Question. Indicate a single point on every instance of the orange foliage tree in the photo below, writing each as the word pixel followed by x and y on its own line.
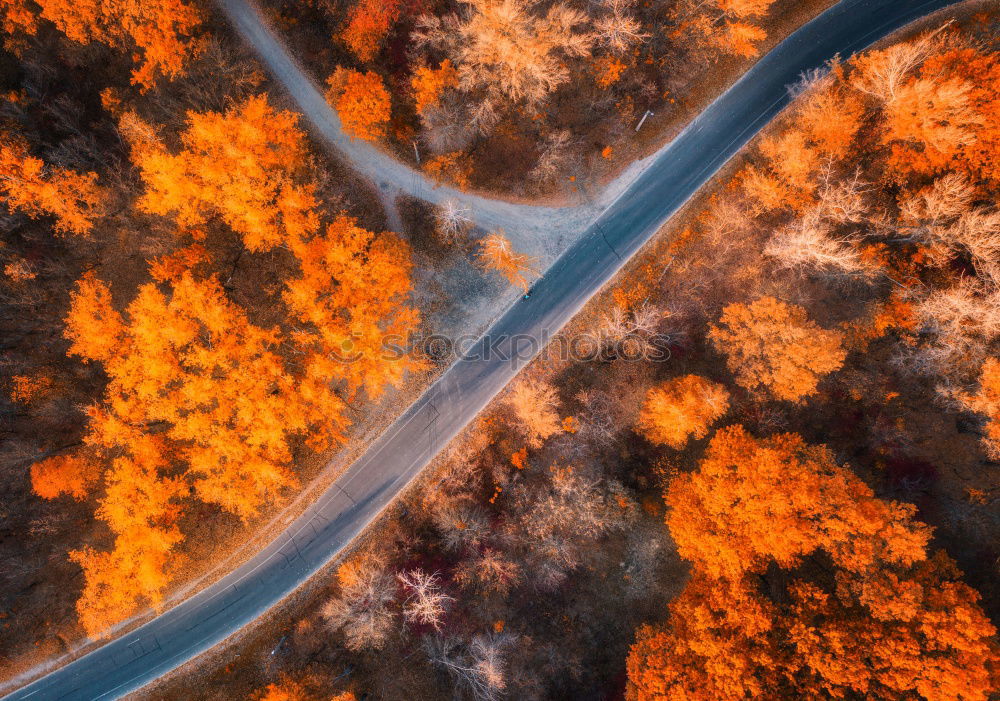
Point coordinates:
pixel 75 200
pixel 727 641
pixel 762 511
pixel 986 401
pixel 825 125
pixel 932 117
pixel 17 16
pixel 361 101
pixel 830 118
pixel 73 475
pixel 717 646
pixel 140 506
pixel 191 365
pixel 774 345
pixel 753 501
pixel 682 408
pixel 171 267
pixel 197 403
pixel 981 70
pixel 726 25
pixel 536 407
pixel 287 690
pixel 249 167
pixel 939 102
pixel 455 167
pixel 430 83
pixel 93 326
pixel 246 166
pixel 497 253
pixel 350 294
pixel 160 34
pixel 201 403
pixel 26 389
pixel 367 24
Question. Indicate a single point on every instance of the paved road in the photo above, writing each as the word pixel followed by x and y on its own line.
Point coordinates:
pixel 206 619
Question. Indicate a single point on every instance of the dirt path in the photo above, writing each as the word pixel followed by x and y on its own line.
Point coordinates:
pixel 541 231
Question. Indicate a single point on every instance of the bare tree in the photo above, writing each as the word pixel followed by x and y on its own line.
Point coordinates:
pixel 485 115
pixel 451 220
pixel 506 50
pixel 617 29
pixel 478 667
pixel 536 407
pixel 489 572
pixel 814 81
pixel 462 524
pixel 600 423
pixel 620 324
pixel 978 231
pixel 842 200
pixel 965 320
pixel 554 159
pixel 944 217
pixel 808 244
pixel 725 220
pixel 361 610
pixel 628 334
pixel 945 200
pixel 558 522
pixel 881 73
pixel 644 555
pixel 425 602
pixel 446 126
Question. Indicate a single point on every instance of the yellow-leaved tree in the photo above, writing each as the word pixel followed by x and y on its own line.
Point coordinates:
pixel 361 101
pixel 197 398
pixel 351 294
pixel 28 185
pixel 805 585
pixel 774 346
pixel 682 408
pixel 246 166
pixel 160 35
pixel 497 253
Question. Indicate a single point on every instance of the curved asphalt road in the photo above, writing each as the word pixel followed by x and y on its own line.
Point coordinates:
pixel 393 460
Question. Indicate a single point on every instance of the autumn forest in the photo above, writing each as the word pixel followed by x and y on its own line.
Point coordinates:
pixel 774 474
